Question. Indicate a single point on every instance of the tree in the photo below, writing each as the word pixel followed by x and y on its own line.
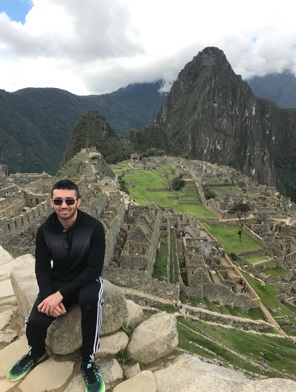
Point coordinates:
pixel 177 183
pixel 209 194
pixel 240 209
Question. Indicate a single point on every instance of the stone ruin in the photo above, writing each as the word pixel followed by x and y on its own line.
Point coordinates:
pixel 3 170
pixel 134 233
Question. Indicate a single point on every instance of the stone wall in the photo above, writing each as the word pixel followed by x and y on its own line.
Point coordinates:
pixel 235 322
pixel 114 226
pixel 10 227
pixel 139 252
pixel 251 233
pixel 4 192
pixel 290 260
pixel 140 280
pixel 222 294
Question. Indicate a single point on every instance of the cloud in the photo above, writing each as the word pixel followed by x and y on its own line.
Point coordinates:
pixel 98 46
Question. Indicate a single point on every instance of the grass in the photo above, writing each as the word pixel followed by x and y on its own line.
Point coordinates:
pixel 160 265
pixel 239 348
pixel 174 267
pixel 252 260
pixel 268 296
pixel 192 339
pixel 253 353
pixel 228 237
pixel 274 272
pixel 144 180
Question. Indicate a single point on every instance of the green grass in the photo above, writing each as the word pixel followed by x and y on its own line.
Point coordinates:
pixel 274 272
pixel 174 267
pixel 228 237
pixel 191 340
pixel 268 296
pixel 145 180
pixel 166 171
pixel 276 353
pixel 252 260
pixel 254 353
pixel 160 265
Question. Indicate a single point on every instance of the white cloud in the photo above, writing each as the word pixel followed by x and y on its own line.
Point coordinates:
pixel 97 46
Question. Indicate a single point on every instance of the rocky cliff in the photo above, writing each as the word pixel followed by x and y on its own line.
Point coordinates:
pixel 212 115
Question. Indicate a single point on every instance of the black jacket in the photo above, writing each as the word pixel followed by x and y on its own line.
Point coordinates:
pixel 74 257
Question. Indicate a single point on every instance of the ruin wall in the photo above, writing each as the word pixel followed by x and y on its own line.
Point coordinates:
pixel 10 227
pixel 113 230
pixel 140 280
pixel 221 294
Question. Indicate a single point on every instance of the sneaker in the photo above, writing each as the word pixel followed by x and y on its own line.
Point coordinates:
pixel 24 365
pixel 92 378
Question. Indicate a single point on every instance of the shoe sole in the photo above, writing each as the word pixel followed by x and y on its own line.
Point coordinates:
pixel 42 359
pixel 103 388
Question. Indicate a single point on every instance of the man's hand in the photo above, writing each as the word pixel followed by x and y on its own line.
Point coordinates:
pixel 52 305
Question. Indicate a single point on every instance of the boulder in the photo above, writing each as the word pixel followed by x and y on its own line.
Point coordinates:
pixel 112 344
pixel 64 335
pixel 24 286
pixel 188 373
pixel 5 257
pixel 144 382
pixel 11 264
pixel 135 314
pixel 154 338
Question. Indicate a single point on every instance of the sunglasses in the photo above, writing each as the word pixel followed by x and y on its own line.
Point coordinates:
pixel 69 202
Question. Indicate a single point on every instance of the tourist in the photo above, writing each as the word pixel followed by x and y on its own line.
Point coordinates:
pixel 74 242
pixel 176 307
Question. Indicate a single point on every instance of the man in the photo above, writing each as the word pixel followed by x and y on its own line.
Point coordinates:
pixel 70 250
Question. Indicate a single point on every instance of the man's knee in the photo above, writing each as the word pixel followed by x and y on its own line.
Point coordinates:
pixel 38 320
pixel 88 301
pixel 89 296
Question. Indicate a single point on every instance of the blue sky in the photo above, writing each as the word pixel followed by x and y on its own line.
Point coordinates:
pixel 97 46
pixel 16 9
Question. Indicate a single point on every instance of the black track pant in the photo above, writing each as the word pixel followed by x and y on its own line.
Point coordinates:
pixel 90 300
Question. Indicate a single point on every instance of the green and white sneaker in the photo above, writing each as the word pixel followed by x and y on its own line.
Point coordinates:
pixel 24 365
pixel 92 378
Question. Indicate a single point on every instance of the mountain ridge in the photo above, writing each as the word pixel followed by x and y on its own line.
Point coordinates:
pixel 36 122
pixel 235 127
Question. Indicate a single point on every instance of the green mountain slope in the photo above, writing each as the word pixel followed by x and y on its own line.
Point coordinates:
pixel 35 123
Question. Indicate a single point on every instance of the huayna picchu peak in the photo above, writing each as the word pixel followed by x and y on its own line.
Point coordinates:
pixel 211 114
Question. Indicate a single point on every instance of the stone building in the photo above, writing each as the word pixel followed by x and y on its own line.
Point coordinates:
pixel 3 170
pixel 140 248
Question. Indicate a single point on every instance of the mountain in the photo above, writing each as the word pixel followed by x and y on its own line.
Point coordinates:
pixel 211 114
pixel 279 87
pixel 94 131
pixel 35 123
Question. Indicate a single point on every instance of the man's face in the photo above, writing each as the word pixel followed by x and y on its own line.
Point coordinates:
pixel 66 213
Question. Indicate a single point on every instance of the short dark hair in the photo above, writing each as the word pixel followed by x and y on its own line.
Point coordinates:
pixel 66 184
